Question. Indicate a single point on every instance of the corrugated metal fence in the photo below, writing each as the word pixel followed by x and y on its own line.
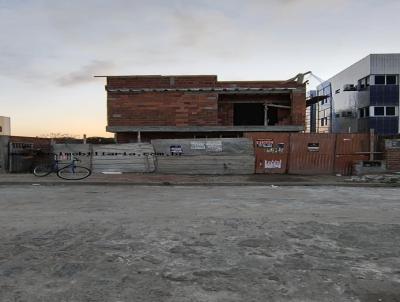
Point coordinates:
pixel 308 153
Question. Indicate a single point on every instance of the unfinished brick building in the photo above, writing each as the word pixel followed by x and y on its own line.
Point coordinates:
pixel 141 108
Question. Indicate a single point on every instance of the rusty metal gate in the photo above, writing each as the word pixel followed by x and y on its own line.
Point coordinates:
pixel 349 149
pixel 312 153
pixel 308 153
pixel 271 150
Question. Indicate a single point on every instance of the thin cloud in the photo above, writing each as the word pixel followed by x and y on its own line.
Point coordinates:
pixel 85 73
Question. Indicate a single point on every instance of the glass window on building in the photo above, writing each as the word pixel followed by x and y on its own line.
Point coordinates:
pixel 379 111
pixel 366 111
pixel 391 80
pixel 367 81
pixel 379 80
pixel 390 111
pixel 361 112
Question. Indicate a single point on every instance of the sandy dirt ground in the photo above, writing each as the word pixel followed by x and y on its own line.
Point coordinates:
pixel 180 244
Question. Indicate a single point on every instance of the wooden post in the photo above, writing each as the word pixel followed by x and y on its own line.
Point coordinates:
pixel 371 144
pixel 139 138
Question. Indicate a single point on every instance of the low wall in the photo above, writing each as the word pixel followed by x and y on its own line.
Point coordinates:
pixel 392 154
pixel 204 156
pixel 109 158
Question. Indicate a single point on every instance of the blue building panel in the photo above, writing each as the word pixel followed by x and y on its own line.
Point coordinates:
pixel 384 125
pixel 384 95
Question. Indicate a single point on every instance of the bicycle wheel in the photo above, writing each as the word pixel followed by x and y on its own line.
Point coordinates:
pixel 74 173
pixel 43 170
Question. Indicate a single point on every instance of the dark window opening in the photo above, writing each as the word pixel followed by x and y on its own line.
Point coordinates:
pixel 248 114
pixel 390 111
pixel 379 111
pixel 379 80
pixel 361 112
pixel 272 116
pixel 391 80
pixel 366 111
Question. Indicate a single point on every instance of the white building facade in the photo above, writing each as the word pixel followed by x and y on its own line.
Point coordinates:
pixel 364 96
pixel 5 126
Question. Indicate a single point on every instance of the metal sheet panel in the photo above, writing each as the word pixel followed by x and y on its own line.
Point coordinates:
pixel 311 153
pixel 271 150
pixel 349 149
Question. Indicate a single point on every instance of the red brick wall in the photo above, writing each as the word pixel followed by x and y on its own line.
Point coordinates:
pixel 225 114
pixel 298 112
pixel 161 81
pixel 162 109
pixel 188 109
pixel 38 142
pixel 392 159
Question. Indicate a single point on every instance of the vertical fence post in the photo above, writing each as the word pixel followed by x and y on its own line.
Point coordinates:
pixel 288 154
pixel 371 144
pixel 335 153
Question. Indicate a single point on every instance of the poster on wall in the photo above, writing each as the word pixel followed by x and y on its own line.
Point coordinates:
pixel 268 145
pixel 273 164
pixel 265 143
pixel 197 145
pixel 313 147
pixel 280 147
pixel 214 146
pixel 176 150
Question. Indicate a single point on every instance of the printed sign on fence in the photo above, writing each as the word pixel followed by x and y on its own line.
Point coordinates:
pixel 273 164
pixel 197 145
pixel 176 150
pixel 265 143
pixel 313 147
pixel 214 146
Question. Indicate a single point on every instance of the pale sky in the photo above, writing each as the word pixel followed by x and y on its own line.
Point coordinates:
pixel 51 49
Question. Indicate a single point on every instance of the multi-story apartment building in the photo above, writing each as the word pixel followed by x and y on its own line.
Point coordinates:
pixel 364 96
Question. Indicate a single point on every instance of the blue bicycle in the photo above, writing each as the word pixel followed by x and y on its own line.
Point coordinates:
pixel 68 172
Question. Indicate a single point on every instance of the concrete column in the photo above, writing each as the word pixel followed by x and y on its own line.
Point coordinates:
pixel 139 138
